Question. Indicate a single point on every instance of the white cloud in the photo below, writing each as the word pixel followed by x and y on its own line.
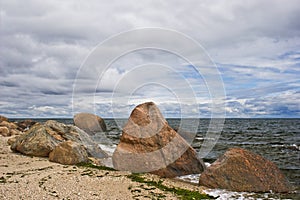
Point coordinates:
pixel 255 43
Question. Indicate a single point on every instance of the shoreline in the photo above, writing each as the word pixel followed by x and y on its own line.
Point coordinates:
pixel 25 177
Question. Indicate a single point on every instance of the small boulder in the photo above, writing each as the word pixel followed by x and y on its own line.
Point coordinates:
pixel 12 140
pixel 37 141
pixel 41 139
pixel 8 129
pixel 90 123
pixel 243 171
pixel 15 132
pixel 62 131
pixel 4 131
pixel 69 153
pixel 149 144
pixel 75 134
pixel 9 125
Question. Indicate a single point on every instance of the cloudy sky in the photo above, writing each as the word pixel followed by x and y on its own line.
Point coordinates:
pixel 45 46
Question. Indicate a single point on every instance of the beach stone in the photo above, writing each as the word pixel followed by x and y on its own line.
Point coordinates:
pixel 25 124
pixel 2 118
pixel 4 131
pixel 9 125
pixel 15 132
pixel 90 123
pixel 243 171
pixel 62 131
pixel 69 153
pixel 41 139
pixel 73 133
pixel 149 144
pixel 11 140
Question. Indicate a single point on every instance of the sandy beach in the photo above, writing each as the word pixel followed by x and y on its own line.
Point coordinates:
pixel 24 177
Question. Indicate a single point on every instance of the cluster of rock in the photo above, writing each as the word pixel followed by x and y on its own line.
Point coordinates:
pixel 65 144
pixel 147 144
pixel 13 128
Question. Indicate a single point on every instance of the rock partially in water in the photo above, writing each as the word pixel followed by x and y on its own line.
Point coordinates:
pixel 243 171
pixel 149 144
pixel 69 153
pixel 90 123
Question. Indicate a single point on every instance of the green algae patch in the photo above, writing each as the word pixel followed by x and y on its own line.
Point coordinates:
pixel 181 193
pixel 90 165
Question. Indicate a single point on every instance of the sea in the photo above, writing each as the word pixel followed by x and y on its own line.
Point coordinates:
pixel 275 139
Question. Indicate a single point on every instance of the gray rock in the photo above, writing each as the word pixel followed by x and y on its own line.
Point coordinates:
pixel 41 139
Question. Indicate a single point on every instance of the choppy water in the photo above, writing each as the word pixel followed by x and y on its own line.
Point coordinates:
pixel 276 139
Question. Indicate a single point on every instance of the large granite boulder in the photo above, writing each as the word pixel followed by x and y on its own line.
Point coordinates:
pixel 241 170
pixel 149 144
pixel 90 123
pixel 41 139
pixel 69 153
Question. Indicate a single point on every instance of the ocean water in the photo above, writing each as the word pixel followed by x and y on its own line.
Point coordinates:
pixel 276 139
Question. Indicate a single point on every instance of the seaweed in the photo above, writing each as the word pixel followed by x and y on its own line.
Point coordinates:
pixel 181 193
pixel 90 165
pixel 2 180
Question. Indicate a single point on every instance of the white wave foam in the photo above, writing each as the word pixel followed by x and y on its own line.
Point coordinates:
pixel 207 164
pixel 291 146
pixel 221 194
pixel 193 178
pixel 109 149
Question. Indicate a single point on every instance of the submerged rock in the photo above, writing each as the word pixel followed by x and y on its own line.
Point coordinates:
pixel 90 123
pixel 69 153
pixel 149 144
pixel 243 171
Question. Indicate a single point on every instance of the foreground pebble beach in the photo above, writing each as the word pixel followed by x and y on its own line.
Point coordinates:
pixel 24 177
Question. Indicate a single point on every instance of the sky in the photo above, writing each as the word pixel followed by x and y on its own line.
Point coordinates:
pixel 252 47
